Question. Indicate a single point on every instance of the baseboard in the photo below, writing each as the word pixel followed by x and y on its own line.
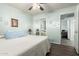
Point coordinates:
pixel 55 43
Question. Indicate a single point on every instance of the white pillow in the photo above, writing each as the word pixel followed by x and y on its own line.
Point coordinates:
pixel 1 36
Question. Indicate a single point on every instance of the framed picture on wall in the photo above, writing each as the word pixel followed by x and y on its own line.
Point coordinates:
pixel 14 22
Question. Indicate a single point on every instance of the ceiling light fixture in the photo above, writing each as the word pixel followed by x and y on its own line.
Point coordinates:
pixel 36 6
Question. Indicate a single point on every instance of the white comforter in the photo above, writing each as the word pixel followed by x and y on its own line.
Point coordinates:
pixel 25 46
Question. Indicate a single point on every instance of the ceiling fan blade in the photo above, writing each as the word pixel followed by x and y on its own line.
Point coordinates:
pixel 42 3
pixel 30 7
pixel 41 8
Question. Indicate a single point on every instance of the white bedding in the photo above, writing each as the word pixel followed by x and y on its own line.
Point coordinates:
pixel 25 46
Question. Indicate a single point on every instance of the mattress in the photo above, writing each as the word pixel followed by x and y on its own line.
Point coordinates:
pixel 30 45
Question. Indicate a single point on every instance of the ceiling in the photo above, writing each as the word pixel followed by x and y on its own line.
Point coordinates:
pixel 47 6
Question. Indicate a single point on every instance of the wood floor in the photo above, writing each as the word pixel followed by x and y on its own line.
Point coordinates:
pixel 61 50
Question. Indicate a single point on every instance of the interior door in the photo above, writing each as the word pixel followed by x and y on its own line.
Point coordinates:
pixel 76 36
pixel 76 31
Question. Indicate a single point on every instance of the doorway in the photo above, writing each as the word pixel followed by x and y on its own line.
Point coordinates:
pixel 67 29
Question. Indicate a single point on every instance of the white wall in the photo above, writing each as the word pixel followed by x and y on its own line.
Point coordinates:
pixel 1 26
pixel 53 23
pixel 7 12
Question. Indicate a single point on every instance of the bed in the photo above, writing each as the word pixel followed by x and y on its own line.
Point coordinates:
pixel 30 45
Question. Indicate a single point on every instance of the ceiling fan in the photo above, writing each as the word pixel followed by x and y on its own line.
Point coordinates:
pixel 35 6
